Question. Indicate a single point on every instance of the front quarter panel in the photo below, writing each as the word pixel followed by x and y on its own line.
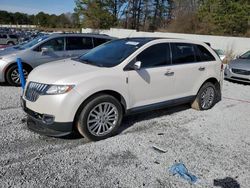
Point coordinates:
pixel 110 79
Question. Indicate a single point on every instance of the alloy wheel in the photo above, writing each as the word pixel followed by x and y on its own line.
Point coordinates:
pixel 15 77
pixel 102 119
pixel 207 98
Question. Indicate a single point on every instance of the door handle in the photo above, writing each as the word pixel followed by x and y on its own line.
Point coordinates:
pixel 202 68
pixel 169 73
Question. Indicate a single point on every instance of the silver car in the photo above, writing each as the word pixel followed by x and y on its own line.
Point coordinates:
pixel 7 39
pixel 46 49
pixel 239 69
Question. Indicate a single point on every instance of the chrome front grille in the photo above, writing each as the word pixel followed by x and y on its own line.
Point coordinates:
pixel 34 90
pixel 241 71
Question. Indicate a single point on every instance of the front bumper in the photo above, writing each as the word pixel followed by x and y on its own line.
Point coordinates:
pixel 35 123
pixel 229 75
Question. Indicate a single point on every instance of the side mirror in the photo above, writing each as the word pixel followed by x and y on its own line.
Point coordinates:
pixel 45 50
pixel 137 65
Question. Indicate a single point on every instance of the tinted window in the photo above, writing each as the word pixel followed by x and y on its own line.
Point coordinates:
pixel 205 55
pixel 99 41
pixel 78 43
pixel 156 55
pixel 3 36
pixel 183 53
pixel 56 44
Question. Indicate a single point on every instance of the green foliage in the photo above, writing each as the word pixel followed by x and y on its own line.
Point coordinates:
pixel 95 13
pixel 230 17
pixel 41 19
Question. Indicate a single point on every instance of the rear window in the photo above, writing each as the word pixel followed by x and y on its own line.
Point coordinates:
pixel 78 43
pixel 205 55
pixel 99 41
pixel 183 53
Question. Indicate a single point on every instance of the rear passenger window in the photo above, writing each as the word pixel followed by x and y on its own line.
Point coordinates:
pixel 183 53
pixel 205 55
pixel 99 41
pixel 78 43
pixel 154 56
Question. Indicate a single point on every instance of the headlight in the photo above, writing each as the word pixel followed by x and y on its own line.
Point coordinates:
pixel 58 89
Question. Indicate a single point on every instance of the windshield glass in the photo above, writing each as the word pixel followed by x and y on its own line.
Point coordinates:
pixel 32 42
pixel 245 55
pixel 112 53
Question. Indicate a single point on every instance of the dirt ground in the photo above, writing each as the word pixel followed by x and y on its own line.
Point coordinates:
pixel 214 145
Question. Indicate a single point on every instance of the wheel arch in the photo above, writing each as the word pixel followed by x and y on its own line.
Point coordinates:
pixel 13 64
pixel 113 93
pixel 217 85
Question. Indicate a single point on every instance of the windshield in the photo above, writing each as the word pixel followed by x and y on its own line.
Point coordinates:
pixel 245 55
pixel 112 53
pixel 32 42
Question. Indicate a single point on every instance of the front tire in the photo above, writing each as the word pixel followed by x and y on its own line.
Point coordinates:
pixel 100 118
pixel 12 75
pixel 205 98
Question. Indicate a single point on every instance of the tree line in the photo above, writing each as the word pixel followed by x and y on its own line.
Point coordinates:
pixel 67 20
pixel 217 17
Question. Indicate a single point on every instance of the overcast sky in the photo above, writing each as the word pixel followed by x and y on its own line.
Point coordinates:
pixel 35 6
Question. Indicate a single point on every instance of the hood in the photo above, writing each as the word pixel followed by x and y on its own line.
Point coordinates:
pixel 65 71
pixel 7 51
pixel 11 54
pixel 240 64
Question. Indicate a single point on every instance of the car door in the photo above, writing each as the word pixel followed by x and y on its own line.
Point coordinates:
pixel 54 50
pixel 190 70
pixel 76 45
pixel 152 83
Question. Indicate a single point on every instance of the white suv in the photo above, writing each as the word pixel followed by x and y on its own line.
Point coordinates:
pixel 93 92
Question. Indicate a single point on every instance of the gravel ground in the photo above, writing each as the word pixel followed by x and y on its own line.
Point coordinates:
pixel 214 145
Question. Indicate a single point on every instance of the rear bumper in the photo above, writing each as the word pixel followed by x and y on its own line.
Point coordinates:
pixel 55 129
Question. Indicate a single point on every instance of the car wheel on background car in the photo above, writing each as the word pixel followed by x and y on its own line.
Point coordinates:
pixel 205 98
pixel 10 43
pixel 12 75
pixel 100 117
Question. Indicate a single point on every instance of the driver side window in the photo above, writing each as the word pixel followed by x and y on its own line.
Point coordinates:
pixel 56 44
pixel 155 56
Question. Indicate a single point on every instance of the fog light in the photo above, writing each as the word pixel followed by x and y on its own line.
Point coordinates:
pixel 48 119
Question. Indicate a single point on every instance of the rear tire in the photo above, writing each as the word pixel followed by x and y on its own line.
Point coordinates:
pixel 100 118
pixel 206 97
pixel 12 75
pixel 10 43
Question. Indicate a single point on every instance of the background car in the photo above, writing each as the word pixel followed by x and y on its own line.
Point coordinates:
pixel 46 49
pixel 239 68
pixel 8 39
